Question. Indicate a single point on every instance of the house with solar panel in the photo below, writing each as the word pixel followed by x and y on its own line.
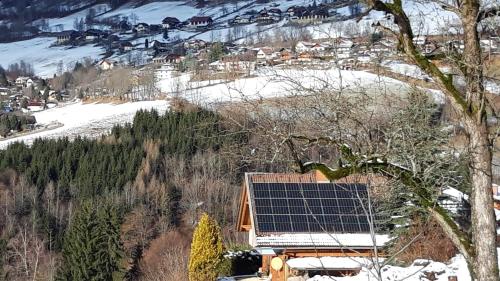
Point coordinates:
pixel 307 224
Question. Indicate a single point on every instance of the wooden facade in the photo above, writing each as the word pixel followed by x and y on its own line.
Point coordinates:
pixel 245 224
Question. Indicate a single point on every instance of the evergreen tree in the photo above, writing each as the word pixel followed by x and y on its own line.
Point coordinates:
pixel 216 52
pixel 206 260
pixel 92 248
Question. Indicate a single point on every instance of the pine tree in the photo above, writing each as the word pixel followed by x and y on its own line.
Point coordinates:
pixel 206 260
pixel 92 248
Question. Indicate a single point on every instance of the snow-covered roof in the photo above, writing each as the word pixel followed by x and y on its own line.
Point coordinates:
pixel 321 240
pixel 337 263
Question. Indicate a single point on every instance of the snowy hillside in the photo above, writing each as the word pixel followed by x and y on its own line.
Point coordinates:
pixel 271 83
pixel 426 19
pixel 86 120
pixel 43 56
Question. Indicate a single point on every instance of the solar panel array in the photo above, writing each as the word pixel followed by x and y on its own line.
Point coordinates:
pixel 310 207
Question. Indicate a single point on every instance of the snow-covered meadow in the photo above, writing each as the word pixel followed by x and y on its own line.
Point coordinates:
pixel 44 57
pixel 86 120
pixel 273 83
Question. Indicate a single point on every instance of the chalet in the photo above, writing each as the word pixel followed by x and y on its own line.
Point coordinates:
pixel 234 64
pixel 67 36
pixel 286 55
pixel 174 58
pixel 342 48
pixel 24 82
pixel 200 21
pixel 266 16
pixel 305 57
pixel 305 222
pixel 265 53
pixel 245 19
pixel 194 44
pixel 106 64
pixel 170 22
pixel 4 91
pixel 126 46
pixel 93 34
pixel 141 27
pixel 303 46
pixel 309 15
pixel 155 28
pixel 122 25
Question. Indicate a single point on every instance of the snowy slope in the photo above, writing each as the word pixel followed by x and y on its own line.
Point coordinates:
pixel 66 23
pixel 44 58
pixel 278 83
pixel 155 12
pixel 90 120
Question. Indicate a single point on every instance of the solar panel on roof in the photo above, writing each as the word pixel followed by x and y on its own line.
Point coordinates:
pixel 310 207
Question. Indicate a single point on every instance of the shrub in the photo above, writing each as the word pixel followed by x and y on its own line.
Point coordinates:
pixel 207 260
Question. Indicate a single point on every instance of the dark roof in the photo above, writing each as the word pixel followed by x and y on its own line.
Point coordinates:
pixel 171 20
pixel 200 19
pixel 290 205
pixel 68 33
pixel 93 32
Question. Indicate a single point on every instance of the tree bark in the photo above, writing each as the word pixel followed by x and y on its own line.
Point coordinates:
pixel 482 216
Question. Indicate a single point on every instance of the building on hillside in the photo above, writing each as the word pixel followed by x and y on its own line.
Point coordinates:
pixel 303 46
pixel 200 21
pixel 171 59
pixel 24 82
pixel 305 15
pixel 194 44
pixel 67 36
pixel 93 34
pixel 245 19
pixel 301 221
pixel 265 53
pixel 126 46
pixel 141 27
pixel 170 23
pixel 106 64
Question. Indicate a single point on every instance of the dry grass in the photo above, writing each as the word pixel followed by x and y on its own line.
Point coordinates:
pixel 432 243
pixel 167 257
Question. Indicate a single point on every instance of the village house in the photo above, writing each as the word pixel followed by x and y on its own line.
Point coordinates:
pixel 342 48
pixel 119 26
pixel 303 46
pixel 126 46
pixel 305 57
pixel 106 64
pixel 93 34
pixel 265 53
pixel 234 64
pixel 168 59
pixel 24 82
pixel 286 55
pixel 245 19
pixel 141 27
pixel 308 15
pixel 4 91
pixel 194 44
pixel 67 36
pixel 305 222
pixel 200 21
pixel 170 22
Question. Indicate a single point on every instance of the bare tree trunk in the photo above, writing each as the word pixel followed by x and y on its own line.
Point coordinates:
pixel 483 217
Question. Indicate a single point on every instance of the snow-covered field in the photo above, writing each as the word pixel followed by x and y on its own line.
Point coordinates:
pixel 86 120
pixel 44 58
pixel 416 272
pixel 271 83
